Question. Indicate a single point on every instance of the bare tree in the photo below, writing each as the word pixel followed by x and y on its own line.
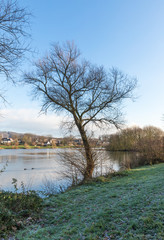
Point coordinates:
pixel 13 26
pixel 87 92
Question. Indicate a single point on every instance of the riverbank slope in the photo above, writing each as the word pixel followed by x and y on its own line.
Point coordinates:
pixel 126 206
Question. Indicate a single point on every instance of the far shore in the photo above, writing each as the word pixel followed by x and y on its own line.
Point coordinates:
pixel 32 147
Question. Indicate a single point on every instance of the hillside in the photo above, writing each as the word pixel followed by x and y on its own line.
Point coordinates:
pixel 126 206
pixel 16 134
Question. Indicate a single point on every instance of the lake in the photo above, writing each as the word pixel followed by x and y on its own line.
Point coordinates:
pixel 36 167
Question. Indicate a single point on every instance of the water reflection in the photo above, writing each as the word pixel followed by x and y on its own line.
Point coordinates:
pixel 32 166
pixel 29 166
pixel 126 160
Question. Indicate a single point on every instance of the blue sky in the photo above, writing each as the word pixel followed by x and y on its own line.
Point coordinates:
pixel 126 34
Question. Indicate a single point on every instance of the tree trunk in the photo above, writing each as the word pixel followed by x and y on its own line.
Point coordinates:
pixel 88 154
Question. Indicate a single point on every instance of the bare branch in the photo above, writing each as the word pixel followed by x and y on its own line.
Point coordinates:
pixel 13 31
pixel 89 93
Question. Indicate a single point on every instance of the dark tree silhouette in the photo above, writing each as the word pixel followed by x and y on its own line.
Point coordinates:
pixel 87 92
pixel 13 25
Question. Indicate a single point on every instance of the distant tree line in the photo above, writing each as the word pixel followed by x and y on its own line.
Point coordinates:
pixel 148 141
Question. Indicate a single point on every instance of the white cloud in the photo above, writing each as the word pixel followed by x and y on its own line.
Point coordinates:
pixel 29 120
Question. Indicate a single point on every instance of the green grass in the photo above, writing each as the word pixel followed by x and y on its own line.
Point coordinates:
pixel 23 147
pixel 31 147
pixel 127 206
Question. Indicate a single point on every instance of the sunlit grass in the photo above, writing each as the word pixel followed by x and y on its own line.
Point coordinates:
pixel 128 206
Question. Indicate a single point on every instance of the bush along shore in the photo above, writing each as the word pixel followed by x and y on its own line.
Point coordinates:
pixel 18 210
pixel 126 205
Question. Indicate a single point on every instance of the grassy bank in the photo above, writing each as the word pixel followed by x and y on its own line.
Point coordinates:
pixel 23 147
pixel 128 206
pixel 30 147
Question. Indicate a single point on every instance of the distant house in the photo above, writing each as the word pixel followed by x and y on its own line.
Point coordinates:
pixel 6 140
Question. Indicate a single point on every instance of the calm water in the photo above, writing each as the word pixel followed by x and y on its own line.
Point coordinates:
pixel 35 166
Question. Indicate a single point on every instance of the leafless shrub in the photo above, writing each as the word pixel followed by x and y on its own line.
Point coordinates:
pixel 74 164
pixel 51 187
